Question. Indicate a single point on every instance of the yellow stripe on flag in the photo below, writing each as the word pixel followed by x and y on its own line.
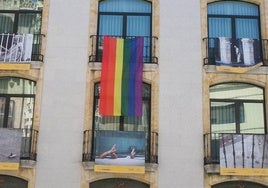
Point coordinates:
pixel 118 76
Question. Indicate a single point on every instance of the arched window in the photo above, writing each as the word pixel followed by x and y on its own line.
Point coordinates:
pixel 237 108
pixel 12 182
pixel 17 97
pixel 234 19
pixel 122 123
pixel 118 182
pixel 244 184
pixel 126 19
pixel 21 16
pixel 234 32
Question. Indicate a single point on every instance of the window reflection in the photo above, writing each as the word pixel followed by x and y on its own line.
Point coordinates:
pixel 237 108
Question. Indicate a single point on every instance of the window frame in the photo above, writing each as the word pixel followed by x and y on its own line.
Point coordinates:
pixel 237 102
pixel 234 17
pixel 8 101
pixel 17 13
pixel 121 118
pixel 124 16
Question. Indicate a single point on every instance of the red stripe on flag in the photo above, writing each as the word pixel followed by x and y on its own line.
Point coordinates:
pixel 108 76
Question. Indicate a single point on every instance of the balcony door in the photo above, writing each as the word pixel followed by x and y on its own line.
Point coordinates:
pixel 234 24
pixel 126 18
pixel 235 108
pixel 233 19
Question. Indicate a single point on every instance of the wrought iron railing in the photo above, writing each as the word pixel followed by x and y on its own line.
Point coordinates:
pixel 236 150
pixel 152 153
pixel 233 51
pixel 29 144
pixel 149 49
pixel 20 47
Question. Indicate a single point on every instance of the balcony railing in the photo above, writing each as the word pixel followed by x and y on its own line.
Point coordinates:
pixel 29 144
pixel 151 156
pixel 236 150
pixel 235 52
pixel 20 47
pixel 149 49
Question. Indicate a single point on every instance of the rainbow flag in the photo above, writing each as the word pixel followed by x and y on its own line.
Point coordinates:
pixel 121 77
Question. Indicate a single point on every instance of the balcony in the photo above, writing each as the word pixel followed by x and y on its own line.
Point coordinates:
pixel 29 144
pixel 20 48
pixel 150 45
pixel 236 53
pixel 18 146
pixel 235 151
pixel 88 156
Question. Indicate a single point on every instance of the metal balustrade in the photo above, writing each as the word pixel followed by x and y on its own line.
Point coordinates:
pixel 149 49
pixel 20 47
pixel 152 153
pixel 236 150
pixel 214 50
pixel 29 144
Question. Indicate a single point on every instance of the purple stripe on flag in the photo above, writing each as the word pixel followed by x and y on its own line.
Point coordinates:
pixel 138 82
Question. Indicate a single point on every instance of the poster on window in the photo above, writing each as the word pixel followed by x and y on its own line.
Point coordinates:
pixel 10 146
pixel 237 55
pixel 244 155
pixel 16 48
pixel 120 151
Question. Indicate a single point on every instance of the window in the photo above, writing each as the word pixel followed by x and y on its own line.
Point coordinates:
pixel 233 26
pixel 17 97
pixel 237 108
pixel 120 123
pixel 19 17
pixel 127 19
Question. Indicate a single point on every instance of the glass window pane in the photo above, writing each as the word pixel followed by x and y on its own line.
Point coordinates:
pixel 138 26
pixel 6 22
pixel 2 110
pixel 222 117
pixel 10 85
pixel 236 91
pixel 15 112
pixel 254 119
pixel 125 6
pixel 20 112
pixel 237 108
pixel 111 25
pixel 19 4
pixel 29 23
pixel 233 8
pixel 220 27
pixel 247 28
pixel 105 122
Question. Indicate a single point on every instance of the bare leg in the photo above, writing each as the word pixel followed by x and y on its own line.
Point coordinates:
pixel 110 152
pixel 132 153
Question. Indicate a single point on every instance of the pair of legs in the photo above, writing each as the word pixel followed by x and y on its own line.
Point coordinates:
pixel 112 153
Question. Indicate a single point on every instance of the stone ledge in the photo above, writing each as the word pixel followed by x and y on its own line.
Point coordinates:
pixel 149 167
pixel 147 67
pixel 27 163
pixel 257 70
pixel 212 168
